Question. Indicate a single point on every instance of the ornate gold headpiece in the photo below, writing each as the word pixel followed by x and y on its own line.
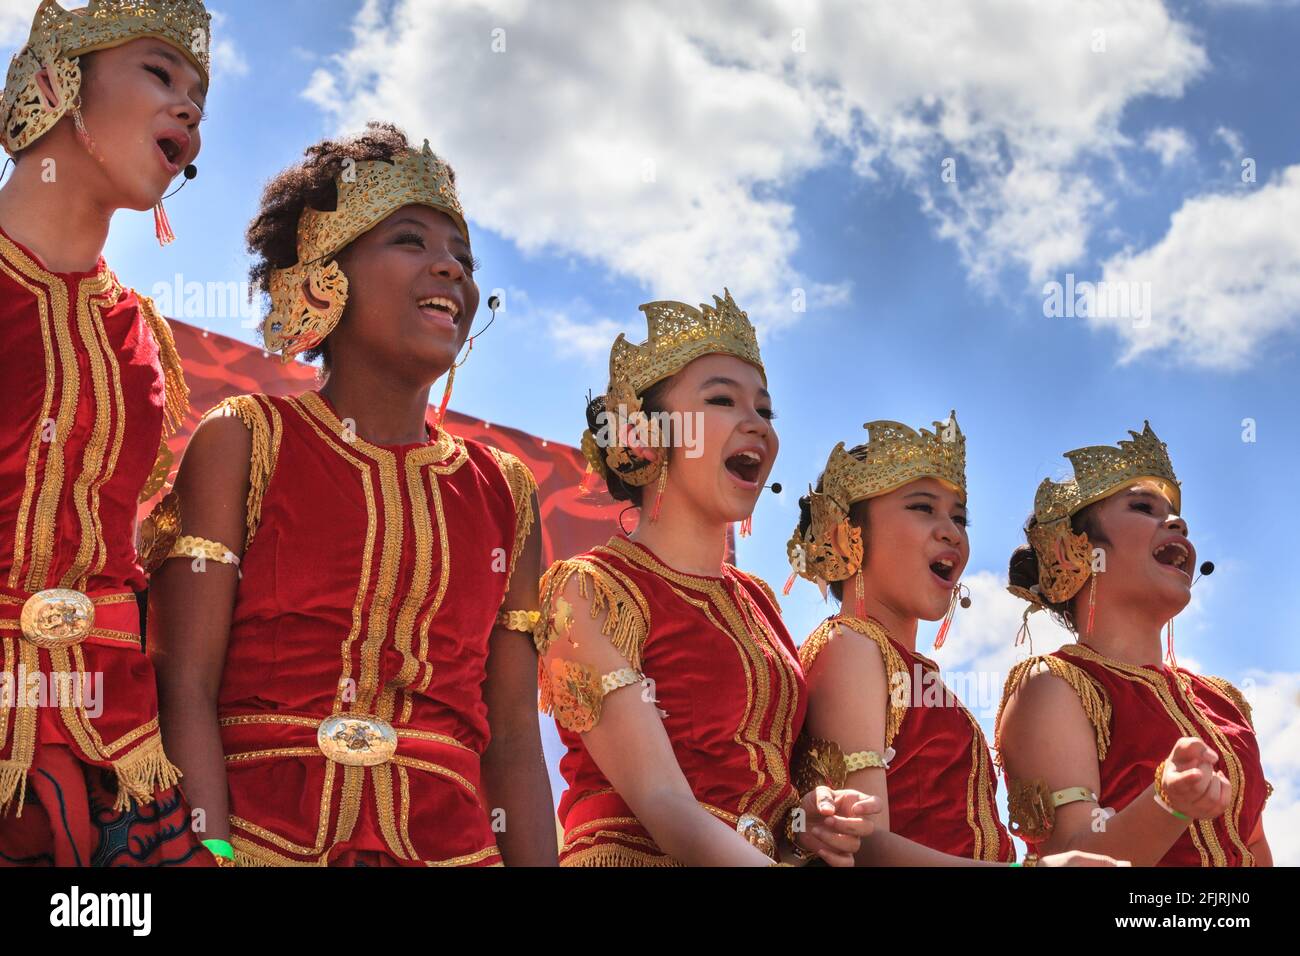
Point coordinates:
pixel 60 36
pixel 831 548
pixel 1065 558
pixel 307 299
pixel 678 335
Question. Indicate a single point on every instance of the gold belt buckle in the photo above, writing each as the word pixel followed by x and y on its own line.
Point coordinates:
pixel 57 618
pixel 356 740
pixel 758 833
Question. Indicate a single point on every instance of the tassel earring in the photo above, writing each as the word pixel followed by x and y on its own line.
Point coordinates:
pixel 747 527
pixel 162 227
pixel 1023 635
pixel 1092 607
pixel 957 597
pixel 659 490
pixel 451 382
pixel 859 590
pixel 1170 659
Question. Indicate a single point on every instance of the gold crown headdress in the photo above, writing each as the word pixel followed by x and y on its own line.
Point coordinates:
pixel 1065 558
pixel 831 547
pixel 677 335
pixel 307 299
pixel 59 37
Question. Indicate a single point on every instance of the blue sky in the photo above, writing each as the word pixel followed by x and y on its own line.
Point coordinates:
pixel 615 154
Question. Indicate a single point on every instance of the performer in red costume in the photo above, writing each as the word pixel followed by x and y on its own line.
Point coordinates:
pixel 1107 747
pixel 890 515
pixel 689 764
pixel 100 111
pixel 344 630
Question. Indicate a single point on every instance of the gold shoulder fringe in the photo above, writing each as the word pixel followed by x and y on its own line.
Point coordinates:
pixel 1234 695
pixel 627 621
pixel 897 679
pixel 611 854
pixel 1092 696
pixel 177 398
pixel 142 773
pixel 522 488
pixel 263 422
pixel 13 783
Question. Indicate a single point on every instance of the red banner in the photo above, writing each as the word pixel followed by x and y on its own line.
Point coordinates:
pixel 217 367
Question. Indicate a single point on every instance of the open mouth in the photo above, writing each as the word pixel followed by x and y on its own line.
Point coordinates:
pixel 440 307
pixel 173 148
pixel 746 466
pixel 1174 555
pixel 944 568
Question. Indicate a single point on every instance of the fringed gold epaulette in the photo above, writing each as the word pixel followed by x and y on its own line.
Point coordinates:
pixel 898 681
pixel 1092 697
pixel 1234 695
pixel 177 397
pixel 263 422
pixel 522 488
pixel 627 618
pixel 142 773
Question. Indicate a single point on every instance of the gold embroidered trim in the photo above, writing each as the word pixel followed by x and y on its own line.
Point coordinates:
pixel 898 682
pixel 189 546
pixel 142 773
pixel 522 488
pixel 525 622
pixel 614 854
pixel 1092 697
pixel 627 622
pixel 1234 695
pixel 263 423
pixel 177 398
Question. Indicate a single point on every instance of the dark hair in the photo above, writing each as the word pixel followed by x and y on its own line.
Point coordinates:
pixel 1022 571
pixel 272 236
pixel 651 403
pixel 858 516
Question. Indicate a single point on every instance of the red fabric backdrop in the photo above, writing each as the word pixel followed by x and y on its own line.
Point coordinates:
pixel 573 521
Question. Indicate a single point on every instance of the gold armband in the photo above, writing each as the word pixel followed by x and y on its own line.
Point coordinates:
pixel 1032 807
pixel 572 692
pixel 819 762
pixel 189 546
pixel 525 622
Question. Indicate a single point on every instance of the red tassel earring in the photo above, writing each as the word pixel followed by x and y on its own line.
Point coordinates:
pixel 1170 659
pixel 957 596
pixel 860 593
pixel 162 227
pixel 747 527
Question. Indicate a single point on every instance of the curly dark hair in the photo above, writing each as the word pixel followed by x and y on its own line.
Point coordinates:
pixel 858 516
pixel 1022 569
pixel 272 236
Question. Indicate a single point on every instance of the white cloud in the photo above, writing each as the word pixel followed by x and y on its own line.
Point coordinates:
pixel 1275 699
pixel 1224 280
pixel 589 339
pixel 660 140
pixel 16 21
pixel 226 58
pixel 1169 143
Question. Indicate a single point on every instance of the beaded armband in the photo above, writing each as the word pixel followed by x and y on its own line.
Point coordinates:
pixel 819 762
pixel 525 622
pixel 189 546
pixel 572 692
pixel 1032 807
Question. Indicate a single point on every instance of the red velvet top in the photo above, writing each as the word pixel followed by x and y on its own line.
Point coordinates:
pixel 942 785
pixel 726 677
pixel 88 373
pixel 371 586
pixel 1150 707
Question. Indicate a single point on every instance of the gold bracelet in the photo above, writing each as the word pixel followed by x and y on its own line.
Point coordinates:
pixel 800 853
pixel 1162 799
pixel 189 546
pixel 525 622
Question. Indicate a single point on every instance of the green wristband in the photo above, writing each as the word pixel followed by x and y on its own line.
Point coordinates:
pixel 1015 864
pixel 220 848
